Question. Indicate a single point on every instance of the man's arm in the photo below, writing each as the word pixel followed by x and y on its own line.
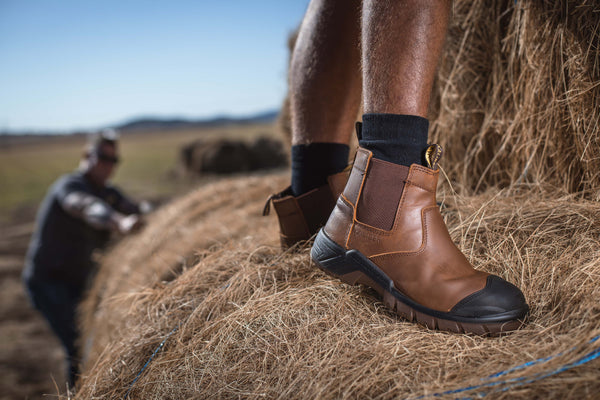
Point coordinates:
pixel 127 206
pixel 77 202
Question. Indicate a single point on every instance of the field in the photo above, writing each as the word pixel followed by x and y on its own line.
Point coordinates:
pixel 30 356
pixel 27 168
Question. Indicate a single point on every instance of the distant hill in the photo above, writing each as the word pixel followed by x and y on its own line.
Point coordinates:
pixel 143 124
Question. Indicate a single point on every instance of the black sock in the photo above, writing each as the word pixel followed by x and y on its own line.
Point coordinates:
pixel 313 163
pixel 401 139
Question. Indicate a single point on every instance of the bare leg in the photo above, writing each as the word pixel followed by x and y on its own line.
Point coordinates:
pixel 325 79
pixel 401 42
pixel 325 94
pixel 326 85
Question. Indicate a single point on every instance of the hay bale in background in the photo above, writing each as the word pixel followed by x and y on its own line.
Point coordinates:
pixel 227 156
pixel 518 94
pixel 222 156
pixel 268 153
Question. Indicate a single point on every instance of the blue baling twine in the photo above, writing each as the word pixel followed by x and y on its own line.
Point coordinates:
pixel 149 360
pixel 519 381
pixel 513 382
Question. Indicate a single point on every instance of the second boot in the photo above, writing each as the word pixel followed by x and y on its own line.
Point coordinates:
pixel 300 217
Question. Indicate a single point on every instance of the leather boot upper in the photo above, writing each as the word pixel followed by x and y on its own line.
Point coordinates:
pixel 388 212
pixel 302 216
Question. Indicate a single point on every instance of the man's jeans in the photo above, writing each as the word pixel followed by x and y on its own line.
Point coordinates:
pixel 58 303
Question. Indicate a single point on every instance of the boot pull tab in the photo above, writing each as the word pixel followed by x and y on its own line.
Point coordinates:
pixel 267 207
pixel 433 155
pixel 358 127
pixel 275 196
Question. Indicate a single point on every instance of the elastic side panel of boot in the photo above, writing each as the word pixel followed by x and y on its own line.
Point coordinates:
pixel 381 194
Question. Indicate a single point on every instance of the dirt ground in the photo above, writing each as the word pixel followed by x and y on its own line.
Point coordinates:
pixel 31 358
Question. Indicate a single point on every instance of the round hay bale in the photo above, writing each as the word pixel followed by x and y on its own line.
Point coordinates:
pixel 227 156
pixel 223 156
pixel 239 318
pixel 268 153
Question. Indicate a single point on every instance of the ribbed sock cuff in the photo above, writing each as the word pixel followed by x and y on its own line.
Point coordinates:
pixel 313 163
pixel 396 138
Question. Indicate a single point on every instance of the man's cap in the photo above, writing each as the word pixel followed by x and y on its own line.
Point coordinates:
pixel 109 134
pixel 98 138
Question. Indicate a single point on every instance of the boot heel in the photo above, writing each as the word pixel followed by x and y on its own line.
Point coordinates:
pixel 346 266
pixel 331 257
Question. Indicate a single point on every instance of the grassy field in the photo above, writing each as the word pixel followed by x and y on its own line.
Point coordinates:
pixel 27 170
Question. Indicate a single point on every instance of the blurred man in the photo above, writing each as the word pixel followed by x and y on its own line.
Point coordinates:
pixel 76 217
pixel 385 230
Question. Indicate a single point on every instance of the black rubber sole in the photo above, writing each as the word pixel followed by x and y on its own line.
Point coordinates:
pixel 352 267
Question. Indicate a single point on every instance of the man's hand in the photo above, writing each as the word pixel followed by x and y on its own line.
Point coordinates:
pixel 131 223
pixel 145 207
pixel 127 224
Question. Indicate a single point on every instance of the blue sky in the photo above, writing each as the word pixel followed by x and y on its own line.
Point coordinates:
pixel 77 64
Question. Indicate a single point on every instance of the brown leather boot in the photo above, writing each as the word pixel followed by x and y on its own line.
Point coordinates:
pixel 301 217
pixel 386 232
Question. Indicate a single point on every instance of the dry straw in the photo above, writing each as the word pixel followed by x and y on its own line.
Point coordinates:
pixel 518 91
pixel 518 94
pixel 256 322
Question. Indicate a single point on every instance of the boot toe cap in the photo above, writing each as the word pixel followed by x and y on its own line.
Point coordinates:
pixel 499 299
